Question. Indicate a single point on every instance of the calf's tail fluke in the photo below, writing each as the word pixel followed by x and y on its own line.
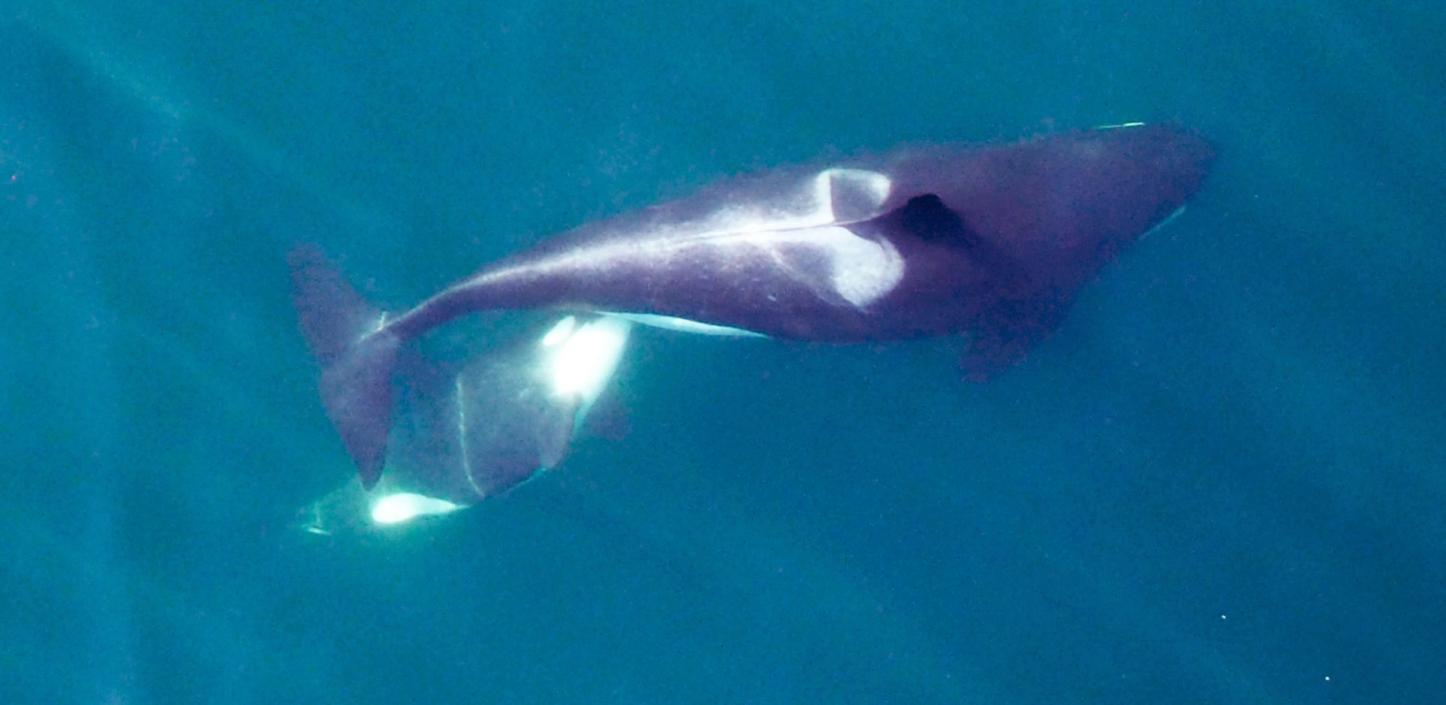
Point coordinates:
pixel 356 353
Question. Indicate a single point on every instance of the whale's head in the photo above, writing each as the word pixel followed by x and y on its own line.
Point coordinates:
pixel 1062 206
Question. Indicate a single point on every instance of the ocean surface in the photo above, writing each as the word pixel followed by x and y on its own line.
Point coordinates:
pixel 1222 481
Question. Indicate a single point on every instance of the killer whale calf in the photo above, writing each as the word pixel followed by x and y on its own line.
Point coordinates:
pixel 471 428
pixel 989 241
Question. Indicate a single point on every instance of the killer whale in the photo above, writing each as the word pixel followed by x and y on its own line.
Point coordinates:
pixel 989 241
pixel 472 427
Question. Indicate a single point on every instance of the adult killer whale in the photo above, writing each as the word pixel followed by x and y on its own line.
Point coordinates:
pixel 989 241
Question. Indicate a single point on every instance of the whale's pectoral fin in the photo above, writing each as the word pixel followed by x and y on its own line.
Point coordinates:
pixel 508 426
pixel 1006 334
pixel 606 417
pixel 989 353
pixel 357 358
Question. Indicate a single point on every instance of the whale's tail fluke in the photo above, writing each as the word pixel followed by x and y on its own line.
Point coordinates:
pixel 356 353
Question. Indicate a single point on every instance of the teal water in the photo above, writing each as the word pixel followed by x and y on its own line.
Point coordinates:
pixel 1223 481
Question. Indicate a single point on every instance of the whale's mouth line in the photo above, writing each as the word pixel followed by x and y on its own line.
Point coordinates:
pixel 1166 221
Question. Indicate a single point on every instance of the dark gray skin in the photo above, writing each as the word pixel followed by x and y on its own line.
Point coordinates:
pixel 992 242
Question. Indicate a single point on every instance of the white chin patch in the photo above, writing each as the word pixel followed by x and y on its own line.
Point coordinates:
pixel 862 271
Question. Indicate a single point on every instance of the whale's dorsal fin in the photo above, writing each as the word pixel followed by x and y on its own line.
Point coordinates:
pixel 927 218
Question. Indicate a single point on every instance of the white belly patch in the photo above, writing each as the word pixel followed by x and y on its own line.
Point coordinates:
pixel 683 325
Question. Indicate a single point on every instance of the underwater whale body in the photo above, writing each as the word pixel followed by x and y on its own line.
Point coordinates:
pixel 466 429
pixel 990 242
